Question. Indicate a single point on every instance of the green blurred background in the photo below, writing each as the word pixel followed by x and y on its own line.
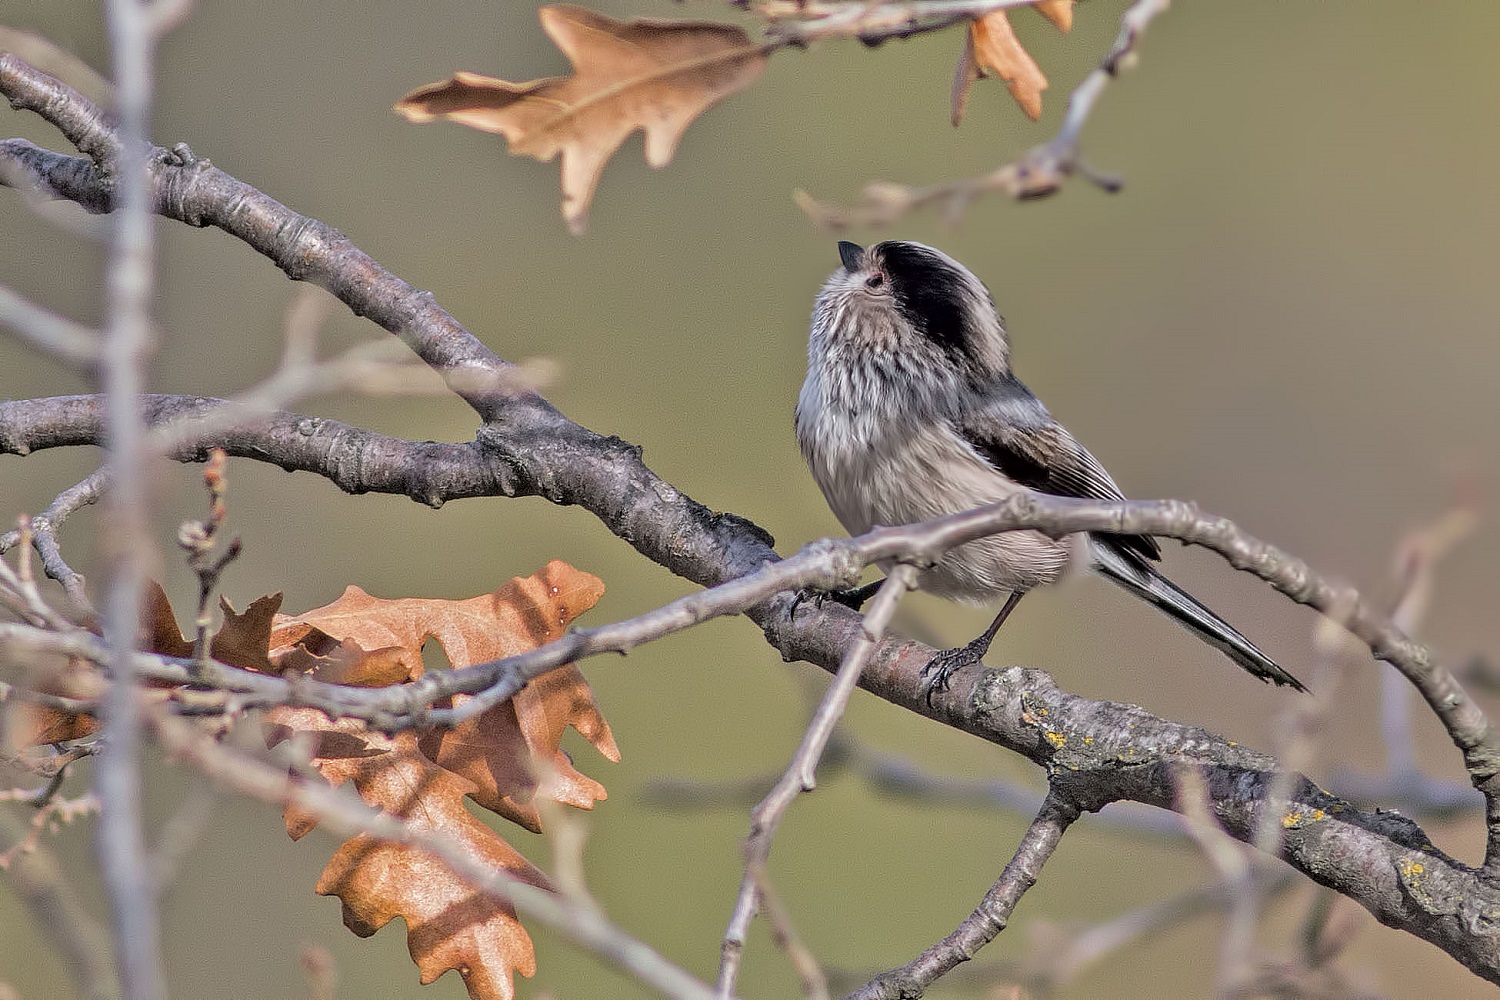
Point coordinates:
pixel 1288 316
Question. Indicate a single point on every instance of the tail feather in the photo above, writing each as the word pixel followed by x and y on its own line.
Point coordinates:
pixel 1142 580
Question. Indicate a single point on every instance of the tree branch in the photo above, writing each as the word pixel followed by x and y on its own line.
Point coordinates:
pixel 129 281
pixel 990 917
pixel 342 812
pixel 1095 752
pixel 1039 172
pixel 800 775
pixel 83 942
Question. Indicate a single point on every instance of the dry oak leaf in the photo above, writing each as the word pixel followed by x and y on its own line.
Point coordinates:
pixel 449 924
pixel 991 48
pixel 657 76
pixel 241 641
pixel 1059 12
pixel 489 749
pixel 492 758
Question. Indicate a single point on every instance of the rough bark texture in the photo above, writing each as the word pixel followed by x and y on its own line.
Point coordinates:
pixel 1094 752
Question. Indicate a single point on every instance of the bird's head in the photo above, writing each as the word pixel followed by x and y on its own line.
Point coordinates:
pixel 909 301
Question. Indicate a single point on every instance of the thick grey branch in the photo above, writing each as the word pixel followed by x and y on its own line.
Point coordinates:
pixel 1095 752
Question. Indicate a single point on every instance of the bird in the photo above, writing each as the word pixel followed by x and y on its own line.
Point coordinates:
pixel 910 411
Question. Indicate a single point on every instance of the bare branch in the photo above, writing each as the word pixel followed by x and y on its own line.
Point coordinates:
pixel 800 775
pixel 126 540
pixel 990 917
pixel 59 336
pixel 342 812
pixel 527 448
pixel 797 23
pixel 1041 171
pixel 385 466
pixel 38 880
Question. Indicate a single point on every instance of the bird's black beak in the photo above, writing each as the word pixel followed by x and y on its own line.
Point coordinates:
pixel 850 253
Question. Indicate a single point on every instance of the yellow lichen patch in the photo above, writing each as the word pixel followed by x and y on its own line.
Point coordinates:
pixel 1088 741
pixel 1056 739
pixel 1297 817
pixel 1414 878
pixel 1414 874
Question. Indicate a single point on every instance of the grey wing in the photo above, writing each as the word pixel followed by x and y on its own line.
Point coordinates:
pixel 1013 431
pixel 1016 434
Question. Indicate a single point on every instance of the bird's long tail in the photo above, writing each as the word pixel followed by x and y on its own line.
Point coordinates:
pixel 1142 580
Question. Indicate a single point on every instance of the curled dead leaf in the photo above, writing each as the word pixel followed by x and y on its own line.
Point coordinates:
pixel 240 641
pixel 657 76
pixel 991 48
pixel 1059 12
pixel 493 758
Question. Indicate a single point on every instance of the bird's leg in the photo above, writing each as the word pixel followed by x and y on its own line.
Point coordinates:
pixel 854 597
pixel 945 664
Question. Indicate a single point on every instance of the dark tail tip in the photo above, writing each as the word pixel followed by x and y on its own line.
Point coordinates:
pixel 1142 580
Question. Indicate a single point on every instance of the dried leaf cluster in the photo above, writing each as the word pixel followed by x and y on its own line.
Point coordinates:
pixel 659 76
pixel 991 48
pixel 502 758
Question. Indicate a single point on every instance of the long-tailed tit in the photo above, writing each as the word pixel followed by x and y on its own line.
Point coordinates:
pixel 911 411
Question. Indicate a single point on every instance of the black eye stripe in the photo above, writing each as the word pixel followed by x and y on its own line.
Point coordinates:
pixel 930 292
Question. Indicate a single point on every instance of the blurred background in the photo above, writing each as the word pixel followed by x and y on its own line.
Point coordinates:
pixel 1288 315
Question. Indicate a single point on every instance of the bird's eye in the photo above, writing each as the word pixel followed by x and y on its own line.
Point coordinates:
pixel 875 280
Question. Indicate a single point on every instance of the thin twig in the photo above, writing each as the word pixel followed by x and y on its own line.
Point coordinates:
pixel 800 775
pixel 830 563
pixel 38 879
pixel 990 917
pixel 800 24
pixel 198 539
pixel 899 777
pixel 784 935
pixel 126 539
pixel 529 449
pixel 44 528
pixel 1039 172
pixel 1050 964
pixel 57 335
pixel 340 811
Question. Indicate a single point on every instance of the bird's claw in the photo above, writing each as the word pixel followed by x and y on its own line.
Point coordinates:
pixel 853 598
pixel 949 662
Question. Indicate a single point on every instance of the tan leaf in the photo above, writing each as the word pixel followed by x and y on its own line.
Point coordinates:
pixel 159 631
pixel 1059 12
pixel 657 76
pixel 493 750
pixel 243 639
pixel 324 658
pixel 998 52
pixel 449 925
pixel 29 725
pixel 240 641
pixel 490 758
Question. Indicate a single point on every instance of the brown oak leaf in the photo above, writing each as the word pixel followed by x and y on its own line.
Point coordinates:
pixel 657 76
pixel 1059 12
pixel 241 641
pixel 449 924
pixel 991 48
pixel 493 758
